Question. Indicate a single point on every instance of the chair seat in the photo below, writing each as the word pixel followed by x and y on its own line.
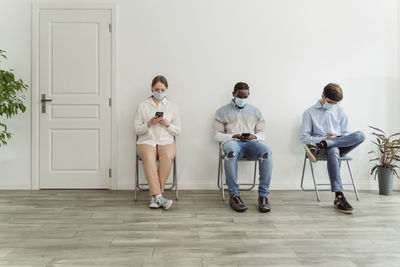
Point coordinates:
pixel 323 158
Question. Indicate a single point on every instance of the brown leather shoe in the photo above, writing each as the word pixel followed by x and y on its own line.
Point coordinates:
pixel 236 203
pixel 263 204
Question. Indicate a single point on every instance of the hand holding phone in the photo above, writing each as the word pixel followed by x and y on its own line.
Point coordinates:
pixel 246 135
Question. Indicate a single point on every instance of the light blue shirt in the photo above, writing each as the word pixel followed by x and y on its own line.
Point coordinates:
pixel 318 123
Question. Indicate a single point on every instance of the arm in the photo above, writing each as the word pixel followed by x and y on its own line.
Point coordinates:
pixel 219 130
pixel 306 130
pixel 344 124
pixel 175 124
pixel 260 128
pixel 140 125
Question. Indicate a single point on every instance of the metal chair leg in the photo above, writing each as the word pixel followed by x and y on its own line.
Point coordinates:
pixel 175 179
pixel 315 184
pixel 136 179
pixel 302 175
pixel 352 180
pixel 222 182
pixel 254 177
pixel 219 171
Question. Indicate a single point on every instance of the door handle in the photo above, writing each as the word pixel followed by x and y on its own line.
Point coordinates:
pixel 44 100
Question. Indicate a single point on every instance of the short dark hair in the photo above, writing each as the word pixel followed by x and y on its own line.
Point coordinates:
pixel 333 91
pixel 241 86
pixel 161 79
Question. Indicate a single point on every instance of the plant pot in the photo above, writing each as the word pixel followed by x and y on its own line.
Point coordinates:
pixel 385 180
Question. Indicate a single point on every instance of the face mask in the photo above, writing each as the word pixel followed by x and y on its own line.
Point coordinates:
pixel 327 105
pixel 241 102
pixel 158 96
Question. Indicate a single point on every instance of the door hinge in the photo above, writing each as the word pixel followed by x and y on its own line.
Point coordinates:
pixel 109 27
pixel 109 173
pixel 109 102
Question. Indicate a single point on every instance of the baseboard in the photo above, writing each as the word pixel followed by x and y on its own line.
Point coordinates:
pixel 274 186
pixel 14 187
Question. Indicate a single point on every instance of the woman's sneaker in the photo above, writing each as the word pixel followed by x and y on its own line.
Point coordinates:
pixel 153 203
pixel 342 205
pixel 164 203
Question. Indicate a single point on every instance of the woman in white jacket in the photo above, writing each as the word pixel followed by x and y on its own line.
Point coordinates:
pixel 157 122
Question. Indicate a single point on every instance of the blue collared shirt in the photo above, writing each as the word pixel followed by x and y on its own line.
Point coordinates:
pixel 318 123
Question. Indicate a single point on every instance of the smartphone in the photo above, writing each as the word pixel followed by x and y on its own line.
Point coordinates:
pixel 159 114
pixel 245 135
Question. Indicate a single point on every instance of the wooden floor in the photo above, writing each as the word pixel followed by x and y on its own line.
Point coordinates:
pixel 105 228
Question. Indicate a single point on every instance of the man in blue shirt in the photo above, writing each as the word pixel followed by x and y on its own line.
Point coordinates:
pixel 325 134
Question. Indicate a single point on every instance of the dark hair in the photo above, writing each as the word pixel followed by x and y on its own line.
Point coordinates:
pixel 334 92
pixel 161 79
pixel 240 86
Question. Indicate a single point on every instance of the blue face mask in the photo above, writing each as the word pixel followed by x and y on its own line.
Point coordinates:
pixel 327 106
pixel 241 102
pixel 158 96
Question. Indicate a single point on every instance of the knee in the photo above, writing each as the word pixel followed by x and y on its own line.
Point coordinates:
pixel 231 149
pixel 147 158
pixel 231 155
pixel 265 151
pixel 167 156
pixel 360 136
pixel 266 154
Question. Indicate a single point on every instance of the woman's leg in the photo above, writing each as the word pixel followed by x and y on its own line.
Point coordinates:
pixel 166 156
pixel 148 154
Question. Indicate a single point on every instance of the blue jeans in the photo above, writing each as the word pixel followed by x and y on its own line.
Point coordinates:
pixel 252 150
pixel 336 148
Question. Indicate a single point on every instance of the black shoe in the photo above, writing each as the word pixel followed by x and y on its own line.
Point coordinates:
pixel 236 203
pixel 312 151
pixel 263 204
pixel 342 205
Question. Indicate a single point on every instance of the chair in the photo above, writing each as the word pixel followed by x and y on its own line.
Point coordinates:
pixel 344 158
pixel 172 185
pixel 220 182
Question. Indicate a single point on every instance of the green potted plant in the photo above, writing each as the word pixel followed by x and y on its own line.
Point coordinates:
pixel 387 155
pixel 11 99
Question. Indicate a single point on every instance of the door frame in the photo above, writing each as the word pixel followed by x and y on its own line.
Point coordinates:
pixel 35 90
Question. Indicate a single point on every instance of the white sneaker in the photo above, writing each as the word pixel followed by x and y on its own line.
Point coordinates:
pixel 164 203
pixel 153 203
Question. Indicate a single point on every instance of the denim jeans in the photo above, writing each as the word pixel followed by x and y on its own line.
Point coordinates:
pixel 336 148
pixel 252 150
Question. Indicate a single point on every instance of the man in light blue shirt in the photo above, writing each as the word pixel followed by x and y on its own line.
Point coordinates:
pixel 325 134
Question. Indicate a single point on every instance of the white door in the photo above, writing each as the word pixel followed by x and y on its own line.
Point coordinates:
pixel 75 74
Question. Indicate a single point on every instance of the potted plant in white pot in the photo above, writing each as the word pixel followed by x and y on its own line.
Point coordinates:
pixel 387 156
pixel 11 99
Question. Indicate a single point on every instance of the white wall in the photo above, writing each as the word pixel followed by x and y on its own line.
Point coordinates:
pixel 285 50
